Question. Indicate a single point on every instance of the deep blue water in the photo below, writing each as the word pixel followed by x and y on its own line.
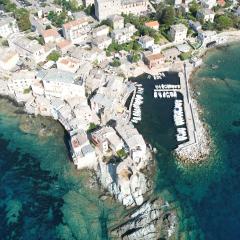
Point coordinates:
pixel 42 196
pixel 208 195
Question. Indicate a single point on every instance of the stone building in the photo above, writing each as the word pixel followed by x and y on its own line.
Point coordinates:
pixel 105 8
pixel 209 3
pixel 153 60
pixel 8 59
pixel 152 24
pixel 146 41
pixel 27 48
pixel 123 35
pixel 178 33
pixel 207 15
pixel 77 31
pixel 50 35
pixel 117 21
pixel 61 84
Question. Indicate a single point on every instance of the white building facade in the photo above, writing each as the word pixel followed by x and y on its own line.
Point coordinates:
pixel 77 31
pixel 27 48
pixel 123 35
pixel 105 8
pixel 61 84
pixel 8 25
pixel 178 33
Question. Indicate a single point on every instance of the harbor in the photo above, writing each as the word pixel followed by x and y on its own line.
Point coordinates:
pixel 175 112
pixel 167 91
pixel 184 109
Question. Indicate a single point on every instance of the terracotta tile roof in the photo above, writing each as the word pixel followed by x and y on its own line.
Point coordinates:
pixel 155 56
pixel 67 61
pixel 221 2
pixel 50 32
pixel 152 24
pixel 64 43
pixel 75 23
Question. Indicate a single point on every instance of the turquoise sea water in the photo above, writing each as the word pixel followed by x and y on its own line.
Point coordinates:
pixel 42 196
pixel 208 195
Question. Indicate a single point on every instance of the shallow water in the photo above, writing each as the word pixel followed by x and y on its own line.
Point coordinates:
pixel 42 195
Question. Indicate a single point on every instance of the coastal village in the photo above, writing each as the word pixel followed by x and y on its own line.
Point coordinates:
pixel 72 61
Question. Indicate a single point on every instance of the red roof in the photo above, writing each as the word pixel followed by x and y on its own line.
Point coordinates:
pixel 50 32
pixel 221 2
pixel 152 24
pixel 75 23
pixel 64 43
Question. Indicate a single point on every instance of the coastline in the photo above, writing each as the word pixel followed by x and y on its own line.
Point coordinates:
pixel 135 193
pixel 197 148
pixel 202 149
pixel 132 221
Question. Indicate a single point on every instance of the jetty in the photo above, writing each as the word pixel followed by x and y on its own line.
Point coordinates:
pixel 191 134
pixel 188 110
pixel 197 146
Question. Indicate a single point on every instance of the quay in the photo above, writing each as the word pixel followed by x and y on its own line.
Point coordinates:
pixel 183 88
pixel 197 147
pixel 188 109
pixel 131 104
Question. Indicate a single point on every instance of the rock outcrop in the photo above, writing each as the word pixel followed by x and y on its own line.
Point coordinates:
pixel 124 182
pixel 152 220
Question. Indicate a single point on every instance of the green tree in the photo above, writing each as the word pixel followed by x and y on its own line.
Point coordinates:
pixel 223 22
pixel 135 57
pixel 5 43
pixel 107 22
pixel 185 56
pixel 40 40
pixel 121 153
pixel 157 38
pixel 21 14
pixel 116 62
pixel 159 10
pixel 194 7
pixel 168 15
pixel 71 5
pixel 136 46
pixel 91 127
pixel 57 19
pixel 22 17
pixel 53 56
pixel 27 90
pixel 90 10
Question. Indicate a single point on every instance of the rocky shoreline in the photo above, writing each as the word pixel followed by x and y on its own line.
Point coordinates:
pixel 127 182
pixel 152 220
pixel 197 148
pixel 198 152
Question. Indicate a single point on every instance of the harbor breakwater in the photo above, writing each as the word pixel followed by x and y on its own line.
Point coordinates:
pixel 171 93
pixel 206 192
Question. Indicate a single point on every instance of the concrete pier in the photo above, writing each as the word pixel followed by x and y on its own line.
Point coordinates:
pixel 197 147
pixel 191 127
pixel 131 104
